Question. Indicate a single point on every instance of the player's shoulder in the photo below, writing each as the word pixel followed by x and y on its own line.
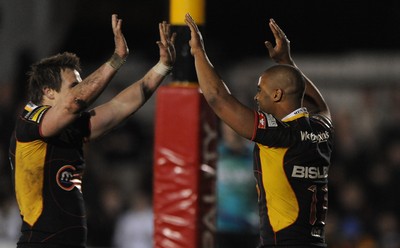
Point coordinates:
pixel 322 120
pixel 34 113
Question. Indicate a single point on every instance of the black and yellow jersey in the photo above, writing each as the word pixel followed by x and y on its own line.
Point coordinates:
pixel 291 165
pixel 47 175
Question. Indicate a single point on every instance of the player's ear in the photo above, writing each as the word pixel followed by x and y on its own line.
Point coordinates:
pixel 278 94
pixel 48 92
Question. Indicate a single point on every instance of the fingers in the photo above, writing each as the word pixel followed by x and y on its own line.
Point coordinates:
pixel 273 29
pixel 269 46
pixel 165 33
pixel 190 22
pixel 166 42
pixel 116 23
pixel 121 47
pixel 114 18
pixel 276 30
pixel 173 37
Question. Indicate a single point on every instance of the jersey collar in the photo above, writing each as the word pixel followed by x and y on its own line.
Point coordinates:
pixel 300 112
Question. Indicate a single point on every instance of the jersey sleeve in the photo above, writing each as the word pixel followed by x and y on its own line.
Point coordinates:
pixel 28 125
pixel 325 126
pixel 271 132
pixel 325 122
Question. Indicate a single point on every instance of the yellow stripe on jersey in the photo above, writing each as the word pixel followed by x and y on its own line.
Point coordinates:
pixel 282 205
pixel 29 176
pixel 38 114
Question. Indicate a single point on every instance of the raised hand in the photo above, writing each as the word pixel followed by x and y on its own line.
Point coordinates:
pixel 196 41
pixel 281 52
pixel 166 44
pixel 121 47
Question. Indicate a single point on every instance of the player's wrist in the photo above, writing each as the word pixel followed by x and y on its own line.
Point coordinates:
pixel 286 61
pixel 162 69
pixel 116 61
pixel 198 52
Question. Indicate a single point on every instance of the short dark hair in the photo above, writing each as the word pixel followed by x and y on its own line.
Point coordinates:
pixel 291 77
pixel 47 73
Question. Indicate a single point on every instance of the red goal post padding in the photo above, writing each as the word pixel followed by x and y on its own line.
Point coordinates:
pixel 185 156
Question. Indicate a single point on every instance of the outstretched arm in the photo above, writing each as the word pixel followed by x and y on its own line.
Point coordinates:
pixel 314 101
pixel 91 87
pixel 239 117
pixel 107 116
pixel 85 92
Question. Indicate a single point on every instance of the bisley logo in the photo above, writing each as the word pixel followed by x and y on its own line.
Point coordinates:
pixel 312 172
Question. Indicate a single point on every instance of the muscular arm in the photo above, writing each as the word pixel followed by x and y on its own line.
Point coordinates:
pixel 86 92
pixel 281 54
pixel 239 117
pixel 314 101
pixel 81 94
pixel 107 116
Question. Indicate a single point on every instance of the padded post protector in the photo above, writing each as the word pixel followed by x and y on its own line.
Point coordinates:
pixel 185 156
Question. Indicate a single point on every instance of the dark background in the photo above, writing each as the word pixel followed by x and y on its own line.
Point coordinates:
pixel 358 41
pixel 236 29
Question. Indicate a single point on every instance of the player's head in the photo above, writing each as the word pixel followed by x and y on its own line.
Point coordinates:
pixel 280 87
pixel 47 73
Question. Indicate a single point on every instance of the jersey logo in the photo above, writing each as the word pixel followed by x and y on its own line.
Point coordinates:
pixel 266 120
pixel 261 121
pixel 314 137
pixel 271 121
pixel 312 172
pixel 67 178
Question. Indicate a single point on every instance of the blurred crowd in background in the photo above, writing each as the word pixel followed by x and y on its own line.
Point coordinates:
pixel 364 176
pixel 362 90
